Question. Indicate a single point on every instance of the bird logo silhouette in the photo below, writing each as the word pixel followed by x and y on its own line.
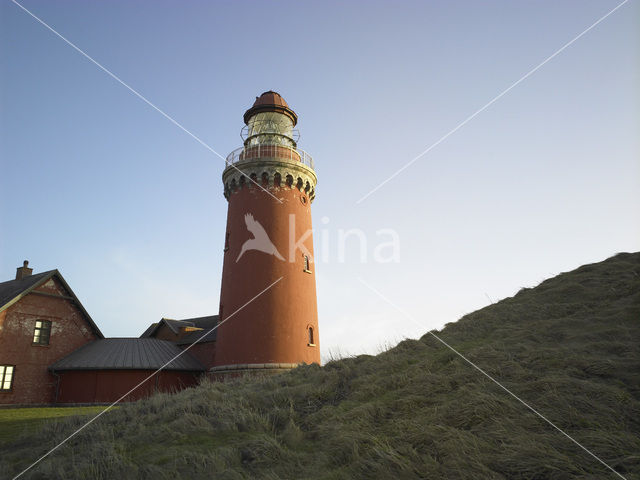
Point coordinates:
pixel 260 240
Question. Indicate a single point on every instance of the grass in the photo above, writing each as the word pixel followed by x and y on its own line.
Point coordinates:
pixel 569 347
pixel 18 421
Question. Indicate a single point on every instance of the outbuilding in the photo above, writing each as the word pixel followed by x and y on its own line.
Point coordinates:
pixel 123 369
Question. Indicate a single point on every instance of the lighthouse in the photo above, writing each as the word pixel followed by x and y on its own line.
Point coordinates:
pixel 268 306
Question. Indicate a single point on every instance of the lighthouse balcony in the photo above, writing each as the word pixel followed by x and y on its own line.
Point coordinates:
pixel 280 152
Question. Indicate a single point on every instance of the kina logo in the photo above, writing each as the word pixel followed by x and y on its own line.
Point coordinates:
pixel 260 240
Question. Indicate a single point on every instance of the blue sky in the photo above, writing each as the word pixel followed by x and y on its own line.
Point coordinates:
pixel 130 208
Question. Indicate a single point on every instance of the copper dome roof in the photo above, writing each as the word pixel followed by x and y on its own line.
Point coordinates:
pixel 270 102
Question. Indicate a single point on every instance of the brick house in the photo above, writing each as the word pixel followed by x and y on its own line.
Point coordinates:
pixel 41 321
pixel 52 352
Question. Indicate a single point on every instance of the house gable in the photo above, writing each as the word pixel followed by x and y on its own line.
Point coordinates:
pixel 198 335
pixel 183 332
pixel 50 283
pixel 39 324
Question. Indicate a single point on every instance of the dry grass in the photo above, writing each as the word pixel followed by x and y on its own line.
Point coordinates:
pixel 569 347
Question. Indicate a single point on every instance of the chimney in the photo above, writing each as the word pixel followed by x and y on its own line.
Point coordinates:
pixel 23 271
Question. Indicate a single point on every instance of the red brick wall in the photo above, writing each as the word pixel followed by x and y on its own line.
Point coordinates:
pixel 273 327
pixel 103 386
pixel 32 382
pixel 204 352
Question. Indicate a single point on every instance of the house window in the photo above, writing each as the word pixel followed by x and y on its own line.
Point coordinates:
pixel 311 339
pixel 42 332
pixel 6 377
pixel 226 242
pixel 306 263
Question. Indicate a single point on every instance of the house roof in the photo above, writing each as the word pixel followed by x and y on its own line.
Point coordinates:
pixel 129 354
pixel 204 335
pixel 149 330
pixel 174 325
pixel 200 336
pixel 13 290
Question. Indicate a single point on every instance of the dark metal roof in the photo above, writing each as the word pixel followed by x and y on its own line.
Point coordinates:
pixel 203 322
pixel 14 290
pixel 147 333
pixel 129 354
pixel 204 335
pixel 201 336
pixel 174 325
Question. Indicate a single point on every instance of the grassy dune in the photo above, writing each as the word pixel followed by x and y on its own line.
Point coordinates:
pixel 569 347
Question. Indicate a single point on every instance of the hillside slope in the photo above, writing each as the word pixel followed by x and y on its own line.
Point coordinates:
pixel 569 347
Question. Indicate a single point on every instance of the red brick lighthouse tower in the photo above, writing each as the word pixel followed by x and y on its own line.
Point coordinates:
pixel 268 298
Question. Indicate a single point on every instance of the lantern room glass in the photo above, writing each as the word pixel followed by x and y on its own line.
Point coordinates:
pixel 270 128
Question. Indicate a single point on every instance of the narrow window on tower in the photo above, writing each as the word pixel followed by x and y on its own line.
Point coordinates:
pixel 311 339
pixel 305 259
pixel 6 377
pixel 226 242
pixel 42 332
